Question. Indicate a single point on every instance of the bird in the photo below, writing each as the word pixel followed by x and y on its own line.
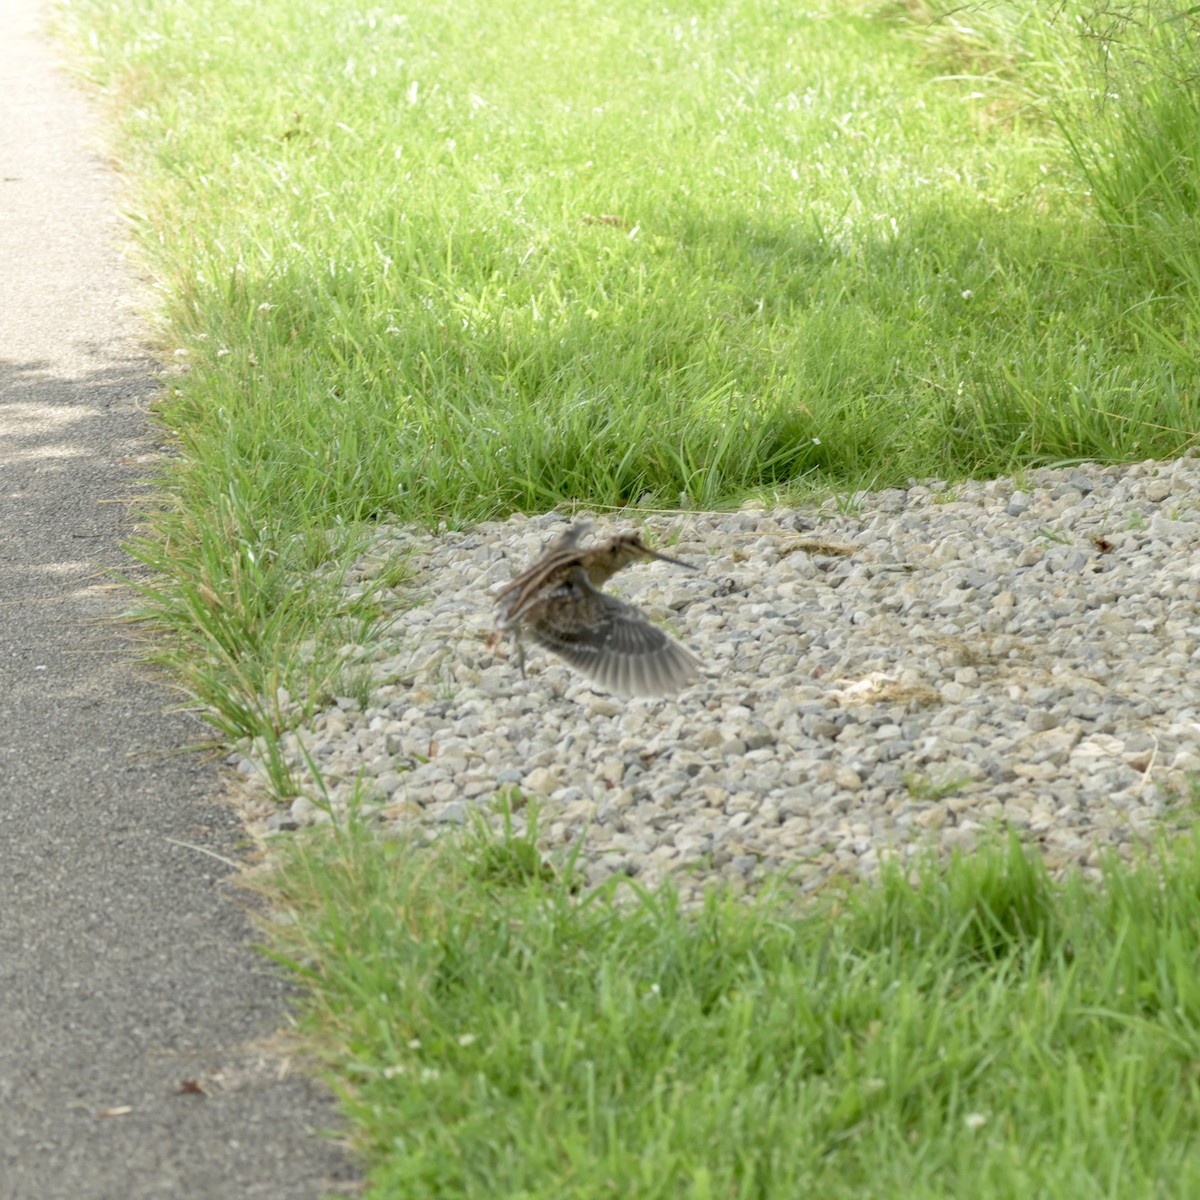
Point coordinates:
pixel 559 603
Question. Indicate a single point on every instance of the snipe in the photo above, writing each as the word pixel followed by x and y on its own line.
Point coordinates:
pixel 558 602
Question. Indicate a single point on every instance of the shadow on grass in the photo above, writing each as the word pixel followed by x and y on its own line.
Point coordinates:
pixel 709 357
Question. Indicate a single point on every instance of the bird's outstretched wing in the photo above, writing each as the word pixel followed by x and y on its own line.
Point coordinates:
pixel 611 642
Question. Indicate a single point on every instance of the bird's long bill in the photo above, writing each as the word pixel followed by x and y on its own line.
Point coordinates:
pixel 667 558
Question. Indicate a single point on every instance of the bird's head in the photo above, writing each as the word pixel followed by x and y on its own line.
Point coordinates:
pixel 620 551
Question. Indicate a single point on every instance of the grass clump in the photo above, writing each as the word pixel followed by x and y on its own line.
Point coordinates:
pixel 1120 86
pixel 982 1032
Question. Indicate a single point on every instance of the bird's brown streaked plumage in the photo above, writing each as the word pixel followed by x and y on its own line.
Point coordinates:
pixel 558 601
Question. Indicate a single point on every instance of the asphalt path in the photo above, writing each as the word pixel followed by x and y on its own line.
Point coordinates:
pixel 137 1048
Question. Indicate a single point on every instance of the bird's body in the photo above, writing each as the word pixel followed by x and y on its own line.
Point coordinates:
pixel 558 601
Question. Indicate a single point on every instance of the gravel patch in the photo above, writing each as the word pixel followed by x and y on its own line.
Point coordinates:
pixel 887 673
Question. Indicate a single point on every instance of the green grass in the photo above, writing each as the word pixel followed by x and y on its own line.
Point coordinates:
pixel 459 259
pixel 986 1034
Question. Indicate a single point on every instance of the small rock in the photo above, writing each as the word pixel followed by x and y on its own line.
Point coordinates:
pixel 542 780
pixel 302 811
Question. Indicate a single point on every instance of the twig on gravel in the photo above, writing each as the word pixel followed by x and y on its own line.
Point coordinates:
pixel 229 862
